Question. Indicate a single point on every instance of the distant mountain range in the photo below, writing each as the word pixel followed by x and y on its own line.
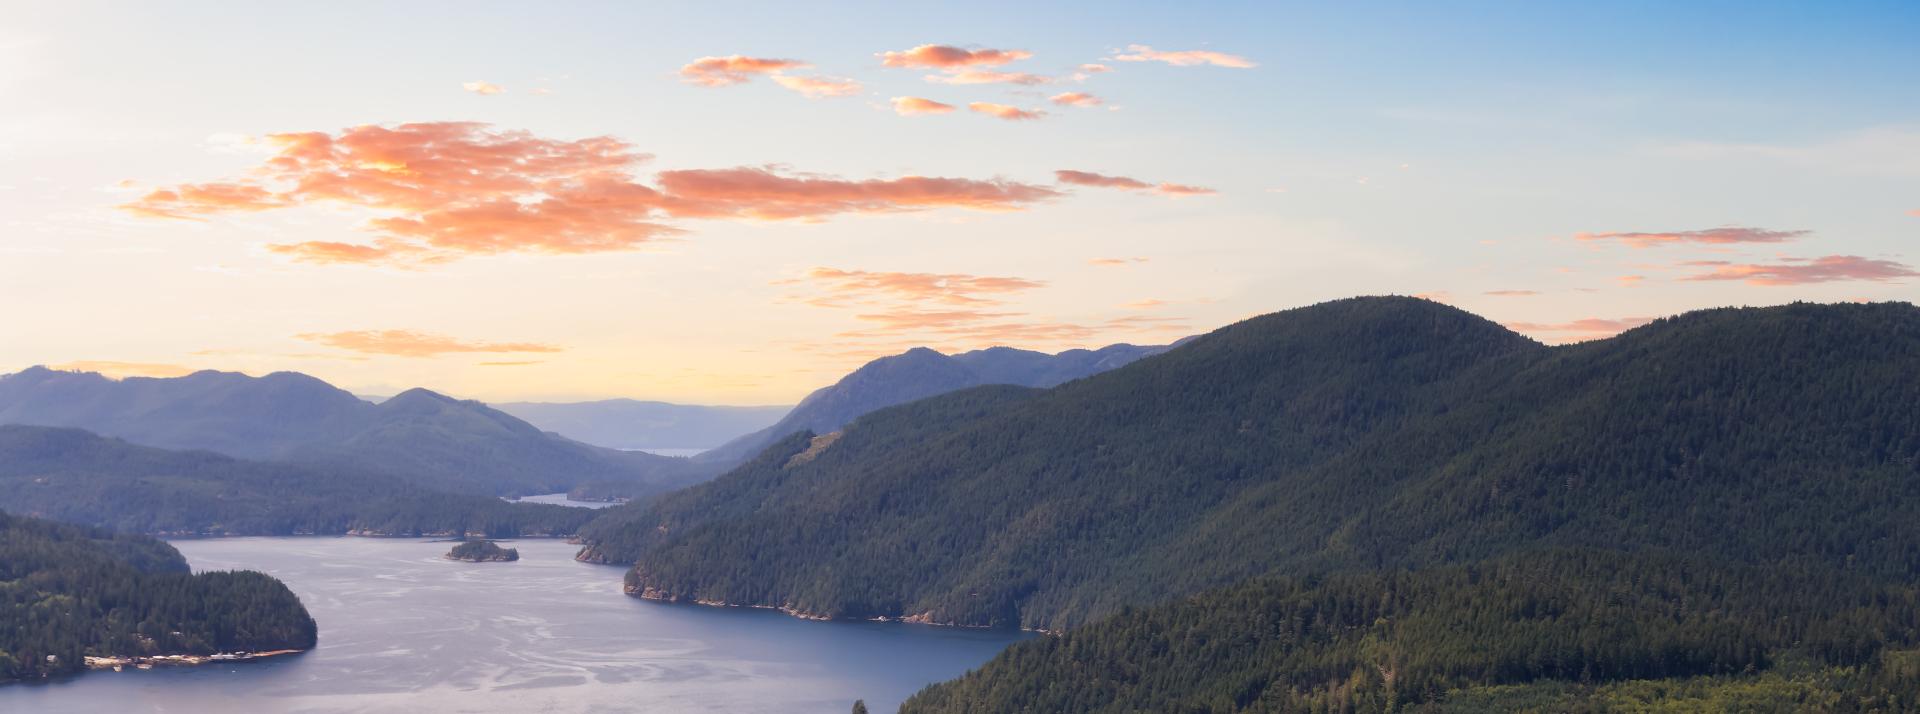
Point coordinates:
pixel 420 436
pixel 79 477
pixel 1363 433
pixel 920 373
pixel 634 424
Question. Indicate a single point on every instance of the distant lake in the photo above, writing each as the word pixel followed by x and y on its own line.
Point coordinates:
pixel 683 453
pixel 403 630
pixel 560 499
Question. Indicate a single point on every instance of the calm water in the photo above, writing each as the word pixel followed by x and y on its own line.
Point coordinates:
pixel 402 630
pixel 560 499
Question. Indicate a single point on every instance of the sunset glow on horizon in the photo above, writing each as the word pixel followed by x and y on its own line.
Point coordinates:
pixel 595 201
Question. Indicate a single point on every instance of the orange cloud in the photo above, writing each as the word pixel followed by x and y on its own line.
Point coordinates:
pixel 451 190
pixel 1627 281
pixel 1095 68
pixel 1711 236
pixel 1512 293
pixel 1114 262
pixel 409 343
pixel 1583 329
pixel 484 88
pixel 1802 271
pixel 190 201
pixel 818 87
pixel 1088 178
pixel 733 69
pixel 1002 111
pixel 762 194
pixel 1184 58
pixel 860 286
pixel 1075 99
pixel 947 57
pixel 986 77
pixel 119 370
pixel 911 106
pixel 1915 213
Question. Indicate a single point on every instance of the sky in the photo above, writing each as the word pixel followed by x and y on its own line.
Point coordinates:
pixel 738 203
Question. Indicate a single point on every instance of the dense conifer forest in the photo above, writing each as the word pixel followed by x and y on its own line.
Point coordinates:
pixel 1554 630
pixel 1376 433
pixel 67 592
pixel 78 477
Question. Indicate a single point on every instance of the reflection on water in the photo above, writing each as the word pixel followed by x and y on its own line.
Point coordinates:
pixel 403 630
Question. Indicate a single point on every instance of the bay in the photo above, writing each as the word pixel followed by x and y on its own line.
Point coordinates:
pixel 404 630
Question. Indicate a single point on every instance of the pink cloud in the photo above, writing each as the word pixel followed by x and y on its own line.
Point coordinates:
pixel 410 343
pixel 1115 262
pixel 733 69
pixel 763 194
pixel 483 88
pixel 1582 329
pixel 1002 111
pixel 1512 293
pixel 911 106
pixel 948 56
pixel 1075 99
pixel 818 87
pixel 1627 281
pixel 1088 178
pixel 1184 58
pixel 1710 236
pixel 986 77
pixel 863 286
pixel 450 190
pixel 1802 271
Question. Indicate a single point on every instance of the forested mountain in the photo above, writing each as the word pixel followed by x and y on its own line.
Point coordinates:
pixel 633 424
pixel 1372 432
pixel 67 592
pixel 919 373
pixel 418 435
pixel 1572 630
pixel 75 476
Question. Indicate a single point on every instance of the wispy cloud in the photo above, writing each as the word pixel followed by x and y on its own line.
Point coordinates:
pixel 988 77
pixel 1724 235
pixel 478 87
pixel 1007 112
pixel 1512 293
pixel 912 106
pixel 1184 58
pixel 1075 99
pixel 1115 262
pixel 411 343
pixel 948 56
pixel 1088 178
pixel 818 87
pixel 443 191
pixel 1589 328
pixel 733 69
pixel 845 287
pixel 1802 271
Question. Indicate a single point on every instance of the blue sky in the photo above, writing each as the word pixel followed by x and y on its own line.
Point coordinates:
pixel 1568 169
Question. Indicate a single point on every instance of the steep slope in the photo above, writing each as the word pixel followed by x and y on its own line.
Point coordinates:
pixel 428 438
pixel 78 477
pixel 920 373
pixel 1468 638
pixel 1366 432
pixel 633 424
pixel 73 592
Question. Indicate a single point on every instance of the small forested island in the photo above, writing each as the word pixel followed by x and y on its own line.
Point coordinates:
pixel 73 597
pixel 483 551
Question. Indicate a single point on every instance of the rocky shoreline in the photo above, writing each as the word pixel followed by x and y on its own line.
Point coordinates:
pixel 925 618
pixel 150 661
